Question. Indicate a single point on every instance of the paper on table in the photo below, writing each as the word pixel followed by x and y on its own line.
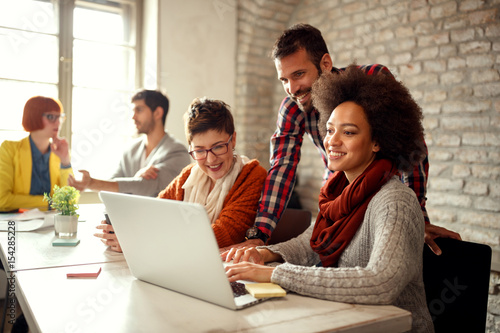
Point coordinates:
pixel 262 290
pixel 30 220
pixel 84 271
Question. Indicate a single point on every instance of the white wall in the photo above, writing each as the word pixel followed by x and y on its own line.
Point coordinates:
pixel 197 47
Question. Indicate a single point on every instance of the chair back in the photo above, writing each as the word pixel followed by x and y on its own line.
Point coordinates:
pixel 456 285
pixel 293 222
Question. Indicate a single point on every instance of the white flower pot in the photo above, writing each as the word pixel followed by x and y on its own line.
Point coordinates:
pixel 66 226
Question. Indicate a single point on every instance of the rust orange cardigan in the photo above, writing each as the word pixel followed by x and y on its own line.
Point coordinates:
pixel 239 208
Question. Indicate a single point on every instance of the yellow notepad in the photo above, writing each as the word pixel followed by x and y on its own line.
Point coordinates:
pixel 263 290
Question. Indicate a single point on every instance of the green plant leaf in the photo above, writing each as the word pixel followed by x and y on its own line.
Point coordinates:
pixel 64 199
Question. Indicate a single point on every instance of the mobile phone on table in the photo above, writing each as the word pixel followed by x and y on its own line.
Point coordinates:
pixel 108 221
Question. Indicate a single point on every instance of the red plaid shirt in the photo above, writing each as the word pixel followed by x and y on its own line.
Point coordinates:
pixel 286 142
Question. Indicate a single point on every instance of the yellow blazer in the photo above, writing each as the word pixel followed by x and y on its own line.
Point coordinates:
pixel 15 176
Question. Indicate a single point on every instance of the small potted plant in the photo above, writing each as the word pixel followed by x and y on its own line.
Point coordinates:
pixel 65 201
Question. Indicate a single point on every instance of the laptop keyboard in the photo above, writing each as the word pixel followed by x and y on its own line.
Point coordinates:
pixel 238 289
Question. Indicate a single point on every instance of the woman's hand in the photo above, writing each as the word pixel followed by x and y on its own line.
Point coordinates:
pixel 249 271
pixel 60 147
pixel 108 236
pixel 247 243
pixel 250 254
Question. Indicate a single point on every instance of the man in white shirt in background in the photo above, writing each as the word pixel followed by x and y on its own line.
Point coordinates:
pixel 152 161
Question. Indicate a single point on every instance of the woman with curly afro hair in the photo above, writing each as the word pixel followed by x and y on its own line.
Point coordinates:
pixel 394 117
pixel 366 245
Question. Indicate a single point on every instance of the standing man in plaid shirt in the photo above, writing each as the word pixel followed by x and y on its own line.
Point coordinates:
pixel 300 55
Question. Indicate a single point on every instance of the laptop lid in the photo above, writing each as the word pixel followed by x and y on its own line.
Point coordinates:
pixel 171 244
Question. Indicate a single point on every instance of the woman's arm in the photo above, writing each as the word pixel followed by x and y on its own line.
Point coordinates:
pixel 9 199
pixel 394 223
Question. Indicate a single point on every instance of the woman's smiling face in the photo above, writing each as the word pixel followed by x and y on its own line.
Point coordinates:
pixel 214 166
pixel 348 141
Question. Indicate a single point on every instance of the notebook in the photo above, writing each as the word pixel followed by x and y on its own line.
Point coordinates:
pixel 171 244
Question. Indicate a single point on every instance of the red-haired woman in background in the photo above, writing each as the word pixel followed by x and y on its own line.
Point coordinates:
pixel 32 166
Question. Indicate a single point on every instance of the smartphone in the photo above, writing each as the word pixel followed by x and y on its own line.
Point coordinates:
pixel 108 221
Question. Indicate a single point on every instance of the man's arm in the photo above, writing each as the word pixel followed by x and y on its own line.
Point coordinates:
pixel 417 181
pixel 285 156
pixel 87 182
pixel 169 159
pixel 167 171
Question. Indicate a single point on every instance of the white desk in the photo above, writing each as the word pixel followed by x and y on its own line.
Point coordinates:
pixel 117 302
pixel 33 249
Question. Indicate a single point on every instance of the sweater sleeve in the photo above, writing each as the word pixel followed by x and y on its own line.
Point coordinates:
pixel 393 225
pixel 170 158
pixel 297 251
pixel 240 205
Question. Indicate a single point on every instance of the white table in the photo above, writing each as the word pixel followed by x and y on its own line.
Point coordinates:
pixel 117 302
pixel 33 249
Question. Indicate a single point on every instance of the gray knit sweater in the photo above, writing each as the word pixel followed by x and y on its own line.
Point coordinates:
pixel 381 265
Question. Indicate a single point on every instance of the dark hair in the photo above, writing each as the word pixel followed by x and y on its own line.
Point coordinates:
pixel 206 114
pixel 301 36
pixel 153 99
pixel 34 109
pixel 394 117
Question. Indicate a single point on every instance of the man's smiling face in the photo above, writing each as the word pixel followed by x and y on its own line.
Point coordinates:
pixel 297 74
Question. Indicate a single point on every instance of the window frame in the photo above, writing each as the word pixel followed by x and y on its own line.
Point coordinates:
pixel 64 12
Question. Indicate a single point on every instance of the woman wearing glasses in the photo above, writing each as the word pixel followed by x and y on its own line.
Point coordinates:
pixel 32 166
pixel 226 184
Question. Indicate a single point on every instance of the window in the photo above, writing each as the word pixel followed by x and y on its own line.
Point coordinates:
pixel 82 52
pixel 26 28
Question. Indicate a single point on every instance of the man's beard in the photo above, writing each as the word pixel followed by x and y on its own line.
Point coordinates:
pixel 145 128
pixel 305 108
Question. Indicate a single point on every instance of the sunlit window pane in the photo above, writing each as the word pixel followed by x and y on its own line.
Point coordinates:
pixel 18 49
pixel 100 84
pixel 104 27
pixel 102 128
pixel 103 66
pixel 36 16
pixel 103 79
pixel 18 93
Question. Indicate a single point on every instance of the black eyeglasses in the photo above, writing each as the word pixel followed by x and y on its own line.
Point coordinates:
pixel 51 117
pixel 201 154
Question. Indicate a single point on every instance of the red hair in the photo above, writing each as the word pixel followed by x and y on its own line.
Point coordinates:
pixel 35 108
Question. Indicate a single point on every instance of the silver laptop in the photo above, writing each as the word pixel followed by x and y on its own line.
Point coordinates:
pixel 171 244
